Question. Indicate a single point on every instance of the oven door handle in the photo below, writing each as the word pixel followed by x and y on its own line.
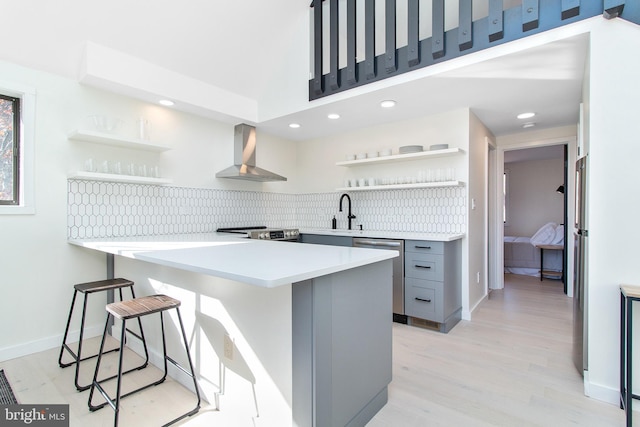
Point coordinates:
pixel 374 243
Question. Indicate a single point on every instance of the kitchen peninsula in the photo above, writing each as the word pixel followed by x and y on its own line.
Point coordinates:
pixel 319 316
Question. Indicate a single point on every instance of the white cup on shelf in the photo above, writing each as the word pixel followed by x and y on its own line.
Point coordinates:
pixel 144 128
pixel 115 167
pixel 90 165
pixel 451 174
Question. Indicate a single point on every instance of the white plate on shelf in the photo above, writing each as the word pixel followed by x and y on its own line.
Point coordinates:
pixel 405 149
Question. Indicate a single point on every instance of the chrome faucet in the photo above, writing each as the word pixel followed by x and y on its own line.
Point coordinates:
pixel 350 216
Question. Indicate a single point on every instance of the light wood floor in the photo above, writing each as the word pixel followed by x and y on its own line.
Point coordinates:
pixel 510 366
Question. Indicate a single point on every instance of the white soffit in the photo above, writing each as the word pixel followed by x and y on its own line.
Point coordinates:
pixel 118 72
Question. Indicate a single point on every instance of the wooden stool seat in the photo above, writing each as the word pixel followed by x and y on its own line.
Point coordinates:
pixel 102 285
pixel 86 289
pixel 137 307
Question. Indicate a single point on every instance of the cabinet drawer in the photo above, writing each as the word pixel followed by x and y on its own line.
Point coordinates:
pixel 423 299
pixel 424 266
pixel 424 246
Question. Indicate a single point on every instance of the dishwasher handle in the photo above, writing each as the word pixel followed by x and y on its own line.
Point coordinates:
pixel 376 243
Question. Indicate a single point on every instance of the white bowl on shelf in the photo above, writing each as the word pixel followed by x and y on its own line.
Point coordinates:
pixel 361 156
pixel 103 123
pixel 438 147
pixel 386 152
pixel 372 154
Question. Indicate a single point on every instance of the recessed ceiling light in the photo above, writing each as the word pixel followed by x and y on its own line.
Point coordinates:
pixel 523 116
pixel 166 102
pixel 333 116
pixel 294 125
pixel 388 103
pixel 528 125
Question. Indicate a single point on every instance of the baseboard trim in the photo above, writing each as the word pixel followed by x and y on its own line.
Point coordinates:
pixel 25 349
pixel 601 392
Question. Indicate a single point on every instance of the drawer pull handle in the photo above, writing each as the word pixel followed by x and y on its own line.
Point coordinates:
pixel 422 299
pixel 422 266
pixel 423 247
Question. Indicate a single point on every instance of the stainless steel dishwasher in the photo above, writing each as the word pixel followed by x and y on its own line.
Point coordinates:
pixel 398 270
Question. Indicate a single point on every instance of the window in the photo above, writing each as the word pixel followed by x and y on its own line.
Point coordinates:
pixel 17 126
pixel 9 150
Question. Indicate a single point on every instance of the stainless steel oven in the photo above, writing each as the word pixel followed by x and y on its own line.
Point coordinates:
pixel 264 233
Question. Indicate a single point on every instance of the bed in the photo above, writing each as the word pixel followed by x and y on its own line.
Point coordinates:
pixel 521 256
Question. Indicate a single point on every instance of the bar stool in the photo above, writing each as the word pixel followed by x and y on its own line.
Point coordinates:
pixel 87 289
pixel 135 309
pixel 628 294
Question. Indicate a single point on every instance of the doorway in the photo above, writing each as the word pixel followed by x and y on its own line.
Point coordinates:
pixel 530 223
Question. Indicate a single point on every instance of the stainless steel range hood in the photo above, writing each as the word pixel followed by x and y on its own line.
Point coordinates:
pixel 244 158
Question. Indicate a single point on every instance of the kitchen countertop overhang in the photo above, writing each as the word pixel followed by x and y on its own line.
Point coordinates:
pixel 260 263
pixel 404 235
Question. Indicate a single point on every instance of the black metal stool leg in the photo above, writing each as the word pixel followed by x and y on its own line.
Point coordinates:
pixel 629 364
pixel 119 383
pixel 622 350
pixel 66 333
pixel 192 372
pixel 84 312
pixel 95 383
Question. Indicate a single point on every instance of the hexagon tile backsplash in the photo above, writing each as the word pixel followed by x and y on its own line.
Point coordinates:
pixel 107 209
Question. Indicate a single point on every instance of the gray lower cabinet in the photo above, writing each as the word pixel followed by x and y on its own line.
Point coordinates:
pixel 323 239
pixel 432 283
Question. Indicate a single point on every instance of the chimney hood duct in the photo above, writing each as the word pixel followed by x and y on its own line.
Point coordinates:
pixel 244 158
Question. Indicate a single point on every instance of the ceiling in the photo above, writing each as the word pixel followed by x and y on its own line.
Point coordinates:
pixel 546 80
pixel 193 39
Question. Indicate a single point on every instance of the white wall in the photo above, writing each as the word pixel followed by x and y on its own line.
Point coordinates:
pixel 35 300
pixel 477 272
pixel 459 128
pixel 533 200
pixel 317 158
pixel 612 199
pixel 39 267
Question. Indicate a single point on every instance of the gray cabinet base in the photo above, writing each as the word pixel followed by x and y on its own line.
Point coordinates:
pixel 342 346
pixel 444 327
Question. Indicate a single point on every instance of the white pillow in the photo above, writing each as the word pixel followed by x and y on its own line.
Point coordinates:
pixel 545 235
pixel 558 239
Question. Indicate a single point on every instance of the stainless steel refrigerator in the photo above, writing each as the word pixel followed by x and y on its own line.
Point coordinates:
pixel 580 276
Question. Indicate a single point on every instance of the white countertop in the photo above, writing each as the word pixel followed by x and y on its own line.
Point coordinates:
pixel 438 237
pixel 260 263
